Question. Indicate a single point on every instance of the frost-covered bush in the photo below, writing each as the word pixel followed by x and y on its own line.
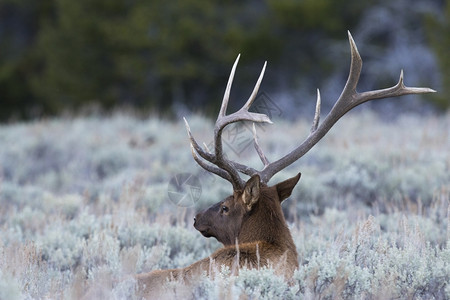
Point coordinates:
pixel 262 284
pixel 9 287
pixel 84 205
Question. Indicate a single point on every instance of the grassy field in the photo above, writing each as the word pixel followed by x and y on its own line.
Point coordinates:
pixel 84 204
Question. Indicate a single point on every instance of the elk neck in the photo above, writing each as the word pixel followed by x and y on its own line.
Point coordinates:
pixel 266 222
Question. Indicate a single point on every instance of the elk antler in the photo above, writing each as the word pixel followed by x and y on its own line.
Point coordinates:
pixel 349 99
pixel 225 168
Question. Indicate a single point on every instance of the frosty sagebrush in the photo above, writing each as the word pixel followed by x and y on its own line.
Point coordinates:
pixel 134 228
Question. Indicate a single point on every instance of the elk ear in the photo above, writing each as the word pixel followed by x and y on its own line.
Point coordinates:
pixel 284 189
pixel 250 194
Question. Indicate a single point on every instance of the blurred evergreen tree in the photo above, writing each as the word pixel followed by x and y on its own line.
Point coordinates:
pixel 60 54
pixel 143 53
pixel 78 55
pixel 19 24
pixel 439 33
pixel 191 46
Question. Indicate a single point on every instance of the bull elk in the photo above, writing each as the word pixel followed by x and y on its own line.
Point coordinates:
pixel 250 223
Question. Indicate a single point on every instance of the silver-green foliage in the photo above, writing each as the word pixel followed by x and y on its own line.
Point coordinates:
pixel 84 205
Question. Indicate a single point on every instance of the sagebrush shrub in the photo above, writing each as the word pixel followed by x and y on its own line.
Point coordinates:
pixel 84 205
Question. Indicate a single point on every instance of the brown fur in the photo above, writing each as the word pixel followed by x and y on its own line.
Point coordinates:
pixel 251 226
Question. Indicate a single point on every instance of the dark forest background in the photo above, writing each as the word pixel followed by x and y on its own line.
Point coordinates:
pixel 169 57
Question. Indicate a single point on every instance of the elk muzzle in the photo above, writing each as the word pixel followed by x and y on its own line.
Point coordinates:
pixel 202 226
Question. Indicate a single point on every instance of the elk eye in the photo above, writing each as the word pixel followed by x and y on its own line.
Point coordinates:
pixel 224 209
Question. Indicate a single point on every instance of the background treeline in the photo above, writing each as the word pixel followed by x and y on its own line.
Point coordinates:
pixel 169 56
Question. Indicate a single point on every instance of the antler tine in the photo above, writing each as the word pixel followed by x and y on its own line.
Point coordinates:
pixel 317 113
pixel 261 155
pixel 348 99
pixel 210 168
pixel 223 169
pixel 255 89
pixel 398 90
pixel 413 89
pixel 355 67
pixel 226 96
pixel 205 155
pixel 206 147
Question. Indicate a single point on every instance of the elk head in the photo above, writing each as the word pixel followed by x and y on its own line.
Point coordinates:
pixel 239 217
pixel 229 219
